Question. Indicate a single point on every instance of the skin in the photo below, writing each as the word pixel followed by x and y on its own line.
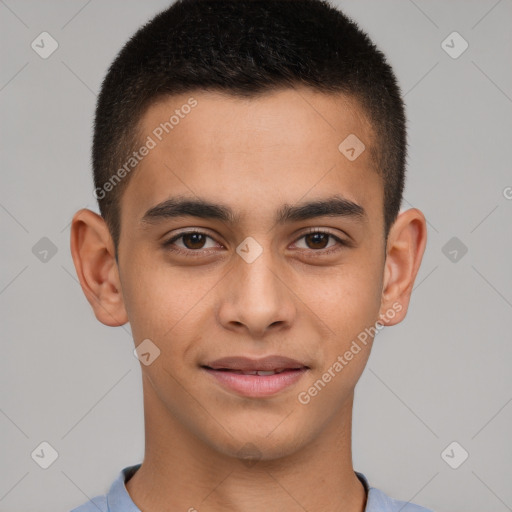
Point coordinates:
pixel 254 156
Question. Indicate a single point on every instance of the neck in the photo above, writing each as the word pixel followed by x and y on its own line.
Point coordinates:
pixel 181 472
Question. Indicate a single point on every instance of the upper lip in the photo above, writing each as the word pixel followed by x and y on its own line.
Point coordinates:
pixel 247 364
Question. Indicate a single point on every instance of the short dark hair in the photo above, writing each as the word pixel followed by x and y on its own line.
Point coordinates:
pixel 246 48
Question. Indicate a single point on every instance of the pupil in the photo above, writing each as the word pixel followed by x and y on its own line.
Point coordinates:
pixel 318 238
pixel 193 240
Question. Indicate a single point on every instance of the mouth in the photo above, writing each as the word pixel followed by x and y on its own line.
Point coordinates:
pixel 261 373
pixel 256 377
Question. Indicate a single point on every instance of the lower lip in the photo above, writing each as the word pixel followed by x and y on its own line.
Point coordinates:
pixel 256 385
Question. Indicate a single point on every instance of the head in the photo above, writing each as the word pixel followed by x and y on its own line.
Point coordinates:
pixel 275 130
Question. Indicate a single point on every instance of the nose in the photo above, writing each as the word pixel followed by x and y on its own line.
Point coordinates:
pixel 255 299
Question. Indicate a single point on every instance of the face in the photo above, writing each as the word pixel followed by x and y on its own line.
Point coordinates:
pixel 252 256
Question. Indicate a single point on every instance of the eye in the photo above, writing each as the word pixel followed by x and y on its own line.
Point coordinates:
pixel 189 242
pixel 197 243
pixel 320 241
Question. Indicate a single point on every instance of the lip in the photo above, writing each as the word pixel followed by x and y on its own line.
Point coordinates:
pixel 225 372
pixel 249 364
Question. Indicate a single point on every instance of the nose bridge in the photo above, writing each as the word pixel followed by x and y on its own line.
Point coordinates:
pixel 258 298
pixel 258 278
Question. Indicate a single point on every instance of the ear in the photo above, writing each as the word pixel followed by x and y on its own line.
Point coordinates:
pixel 404 251
pixel 93 254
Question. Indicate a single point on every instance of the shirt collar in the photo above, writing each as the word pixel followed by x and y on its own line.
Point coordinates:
pixel 119 500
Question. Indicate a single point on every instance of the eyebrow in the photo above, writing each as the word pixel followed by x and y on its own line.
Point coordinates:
pixel 335 206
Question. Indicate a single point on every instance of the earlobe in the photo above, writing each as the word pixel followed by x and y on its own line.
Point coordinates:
pixel 406 246
pixel 93 254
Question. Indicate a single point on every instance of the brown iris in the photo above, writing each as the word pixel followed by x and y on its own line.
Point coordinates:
pixel 194 240
pixel 317 240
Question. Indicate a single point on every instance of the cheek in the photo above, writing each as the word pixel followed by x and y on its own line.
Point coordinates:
pixel 349 306
pixel 347 299
pixel 162 300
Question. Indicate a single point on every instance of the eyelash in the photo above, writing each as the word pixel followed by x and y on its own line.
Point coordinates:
pixel 200 252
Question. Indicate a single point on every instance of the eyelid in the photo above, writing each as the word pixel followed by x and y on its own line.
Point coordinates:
pixel 326 231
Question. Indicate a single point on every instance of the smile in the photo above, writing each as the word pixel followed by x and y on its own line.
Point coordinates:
pixel 256 378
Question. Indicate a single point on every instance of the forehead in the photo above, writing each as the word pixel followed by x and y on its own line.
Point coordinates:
pixel 254 153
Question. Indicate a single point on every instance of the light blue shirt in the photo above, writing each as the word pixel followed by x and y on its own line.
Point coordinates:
pixel 118 499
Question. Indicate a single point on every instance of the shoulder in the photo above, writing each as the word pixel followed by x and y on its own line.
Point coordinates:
pixel 97 504
pixel 381 502
pixel 117 496
pixel 378 501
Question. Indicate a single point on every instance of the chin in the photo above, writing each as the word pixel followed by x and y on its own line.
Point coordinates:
pixel 262 443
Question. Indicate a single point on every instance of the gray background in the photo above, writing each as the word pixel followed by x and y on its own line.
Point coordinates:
pixel 443 375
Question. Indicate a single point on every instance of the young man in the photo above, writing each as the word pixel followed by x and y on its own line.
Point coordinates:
pixel 249 165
